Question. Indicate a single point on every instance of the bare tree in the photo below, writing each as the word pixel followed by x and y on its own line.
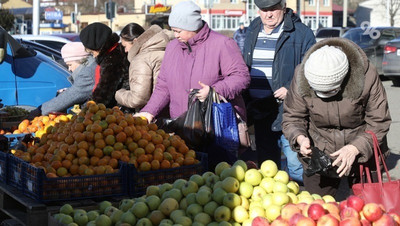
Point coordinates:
pixel 394 6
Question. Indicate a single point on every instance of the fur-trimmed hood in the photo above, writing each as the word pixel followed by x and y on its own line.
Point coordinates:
pixel 353 84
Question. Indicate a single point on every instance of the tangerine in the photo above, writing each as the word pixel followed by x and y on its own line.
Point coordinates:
pixel 144 166
pixel 165 164
pixel 121 137
pixel 155 165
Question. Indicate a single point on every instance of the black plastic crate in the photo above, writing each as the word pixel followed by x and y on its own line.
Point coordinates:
pixel 140 180
pixel 3 167
pixel 15 168
pixel 34 184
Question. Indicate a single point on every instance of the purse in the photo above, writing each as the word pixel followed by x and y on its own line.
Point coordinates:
pixel 384 193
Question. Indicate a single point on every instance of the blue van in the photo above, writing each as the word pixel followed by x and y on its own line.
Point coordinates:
pixel 27 77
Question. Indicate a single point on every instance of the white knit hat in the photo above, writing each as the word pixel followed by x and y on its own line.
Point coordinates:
pixel 326 68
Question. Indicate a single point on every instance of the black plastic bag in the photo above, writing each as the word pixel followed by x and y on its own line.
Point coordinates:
pixel 320 163
pixel 194 126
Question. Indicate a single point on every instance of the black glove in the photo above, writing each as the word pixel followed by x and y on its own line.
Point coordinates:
pixel 35 113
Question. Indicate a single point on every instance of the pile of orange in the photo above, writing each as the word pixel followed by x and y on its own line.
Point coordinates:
pixel 95 140
pixel 40 124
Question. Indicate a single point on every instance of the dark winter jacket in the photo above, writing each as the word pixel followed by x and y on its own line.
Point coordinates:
pixel 293 43
pixel 239 36
pixel 343 119
pixel 113 72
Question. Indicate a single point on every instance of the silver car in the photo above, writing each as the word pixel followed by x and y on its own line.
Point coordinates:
pixel 391 61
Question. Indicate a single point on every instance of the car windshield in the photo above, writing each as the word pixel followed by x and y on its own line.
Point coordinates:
pixel 360 37
pixel 326 33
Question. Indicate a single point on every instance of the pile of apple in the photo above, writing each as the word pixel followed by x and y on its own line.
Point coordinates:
pixel 350 212
pixel 231 195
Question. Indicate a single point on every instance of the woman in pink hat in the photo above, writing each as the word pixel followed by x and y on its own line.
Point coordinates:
pixel 82 65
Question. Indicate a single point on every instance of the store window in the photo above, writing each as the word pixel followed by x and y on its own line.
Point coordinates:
pixel 311 2
pixel 222 22
pixel 234 1
pixel 311 22
pixel 326 2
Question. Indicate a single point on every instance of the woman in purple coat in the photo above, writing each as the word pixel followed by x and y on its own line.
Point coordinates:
pixel 198 58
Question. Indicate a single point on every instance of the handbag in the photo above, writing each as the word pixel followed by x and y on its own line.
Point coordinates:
pixel 384 193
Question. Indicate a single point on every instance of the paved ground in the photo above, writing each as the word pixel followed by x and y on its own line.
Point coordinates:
pixel 393 162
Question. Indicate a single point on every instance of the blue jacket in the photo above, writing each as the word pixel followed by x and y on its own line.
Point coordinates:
pixel 239 36
pixel 295 40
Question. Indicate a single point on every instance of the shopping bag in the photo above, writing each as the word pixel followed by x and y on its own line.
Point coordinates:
pixel 385 193
pixel 226 134
pixel 320 163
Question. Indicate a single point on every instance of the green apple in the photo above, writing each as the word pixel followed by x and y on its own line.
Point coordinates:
pixel 237 172
pixel 256 211
pixel 231 200
pixel 253 177
pixel 267 200
pixel 195 223
pixel 203 197
pixel 66 209
pixel 224 223
pixel 255 204
pixel 268 184
pixel 241 163
pixel 248 222
pixel 280 198
pixel 193 209
pixel 189 187
pixel 177 213
pixel 272 212
pixel 103 220
pixel 269 168
pixel 163 188
pixel 153 201
pixel 203 218
pixel 76 211
pixel 205 187
pixel 116 216
pixel 73 224
pixel 110 210
pixel 218 184
pixel 245 202
pixel 280 187
pixel 103 205
pixel 210 207
pixel 184 221
pixel 91 223
pixel 183 204
pixel 206 175
pixel 220 167
pixel 92 215
pixel 305 198
pixel 168 205
pixel 129 218
pixel 139 209
pixel 328 198
pixel 125 204
pixel 240 214
pixel 191 198
pixel 218 195
pixel 179 183
pixel 245 189
pixel 222 213
pixel 152 190
pixel 293 187
pixel 258 193
pixel 198 179
pixel 167 221
pixel 282 176
pixel 156 217
pixel 230 184
pixel 293 197
pixel 144 222
pixel 212 180
pixel 225 173
pixel 316 196
pixel 175 194
pixel 57 216
pixel 65 219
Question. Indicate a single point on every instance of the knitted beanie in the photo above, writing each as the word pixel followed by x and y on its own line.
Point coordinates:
pixel 73 51
pixel 186 15
pixel 95 35
pixel 326 68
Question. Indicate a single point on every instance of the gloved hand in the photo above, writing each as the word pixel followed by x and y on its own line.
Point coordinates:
pixel 34 113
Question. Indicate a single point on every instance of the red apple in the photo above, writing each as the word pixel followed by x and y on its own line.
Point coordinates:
pixel 385 220
pixel 372 211
pixel 342 204
pixel 306 221
pixel 315 211
pixel 328 220
pixel 349 212
pixel 295 218
pixel 331 207
pixel 355 202
pixel 396 217
pixel 260 221
pixel 318 201
pixel 289 210
pixel 280 222
pixel 350 221
pixel 365 222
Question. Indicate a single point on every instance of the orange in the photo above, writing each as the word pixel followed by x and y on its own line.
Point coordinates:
pixel 139 151
pixel 98 136
pixel 100 144
pixel 165 164
pixel 116 154
pixel 56 164
pixel 123 123
pixel 142 158
pixel 113 163
pixel 94 160
pixel 143 143
pixel 158 156
pixel 84 160
pixel 174 165
pixel 111 119
pixel 81 153
pixel 144 166
pixel 66 163
pixel 132 146
pixel 118 146
pixel 149 148
pixel 155 165
pixel 82 169
pixel 110 140
pixel 121 137
pixel 125 158
pixel 137 135
pixel 98 152
pixel 188 161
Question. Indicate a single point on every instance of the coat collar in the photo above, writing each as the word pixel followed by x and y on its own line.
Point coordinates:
pixel 199 38
pixel 353 84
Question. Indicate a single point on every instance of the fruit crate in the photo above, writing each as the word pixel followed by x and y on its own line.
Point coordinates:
pixel 14 138
pixel 3 166
pixel 32 181
pixel 139 181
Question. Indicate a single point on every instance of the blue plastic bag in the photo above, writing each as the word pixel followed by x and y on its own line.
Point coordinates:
pixel 226 134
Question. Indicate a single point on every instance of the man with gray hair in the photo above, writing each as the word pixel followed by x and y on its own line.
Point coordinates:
pixel 275 44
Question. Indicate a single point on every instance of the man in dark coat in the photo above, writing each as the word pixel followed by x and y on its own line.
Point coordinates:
pixel 275 44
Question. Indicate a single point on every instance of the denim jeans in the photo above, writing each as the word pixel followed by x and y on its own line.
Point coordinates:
pixel 293 164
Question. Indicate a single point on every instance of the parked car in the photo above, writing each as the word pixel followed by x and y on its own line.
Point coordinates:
pixel 27 77
pixel 48 40
pixel 52 53
pixel 73 37
pixel 373 40
pixel 330 32
pixel 391 61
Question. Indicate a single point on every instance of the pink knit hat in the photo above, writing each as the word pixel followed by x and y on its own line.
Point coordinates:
pixel 73 51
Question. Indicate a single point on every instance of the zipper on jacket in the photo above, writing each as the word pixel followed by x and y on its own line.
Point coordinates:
pixel 189 48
